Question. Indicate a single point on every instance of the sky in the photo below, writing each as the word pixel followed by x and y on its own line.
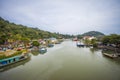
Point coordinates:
pixel 64 16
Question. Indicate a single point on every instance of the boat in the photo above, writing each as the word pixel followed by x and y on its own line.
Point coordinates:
pixel 50 45
pixel 80 44
pixel 8 67
pixel 110 55
pixel 12 60
pixel 42 50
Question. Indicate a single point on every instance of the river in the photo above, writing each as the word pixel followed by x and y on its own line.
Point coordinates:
pixel 65 62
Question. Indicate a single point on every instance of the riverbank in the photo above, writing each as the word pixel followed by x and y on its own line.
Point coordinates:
pixel 110 51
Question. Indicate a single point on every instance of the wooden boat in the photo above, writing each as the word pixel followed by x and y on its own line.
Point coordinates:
pixel 110 55
pixel 42 50
pixel 11 60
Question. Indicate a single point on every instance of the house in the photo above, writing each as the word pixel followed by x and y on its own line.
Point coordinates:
pixel 89 37
pixel 75 39
pixel 53 40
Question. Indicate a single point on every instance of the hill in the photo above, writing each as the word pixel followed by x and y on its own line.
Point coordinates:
pixel 14 31
pixel 93 33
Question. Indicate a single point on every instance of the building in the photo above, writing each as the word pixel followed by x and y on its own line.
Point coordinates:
pixel 89 37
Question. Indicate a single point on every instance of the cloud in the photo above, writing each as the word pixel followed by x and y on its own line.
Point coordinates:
pixel 64 16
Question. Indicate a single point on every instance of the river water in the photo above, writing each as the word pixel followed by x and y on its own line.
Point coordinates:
pixel 65 62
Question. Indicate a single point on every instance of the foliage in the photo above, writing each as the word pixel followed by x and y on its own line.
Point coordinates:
pixel 111 39
pixel 79 36
pixel 66 36
pixel 94 41
pixel 91 42
pixel 16 32
pixel 87 42
pixel 35 43
pixel 93 33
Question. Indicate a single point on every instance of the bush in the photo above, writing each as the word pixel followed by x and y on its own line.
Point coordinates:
pixel 35 43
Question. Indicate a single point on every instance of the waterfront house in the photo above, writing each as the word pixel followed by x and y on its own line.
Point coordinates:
pixel 89 37
pixel 53 40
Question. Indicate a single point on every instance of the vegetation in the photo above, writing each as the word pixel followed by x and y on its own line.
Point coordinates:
pixel 96 34
pixel 35 43
pixel 87 42
pixel 94 42
pixel 10 32
pixel 91 42
pixel 112 39
pixel 93 33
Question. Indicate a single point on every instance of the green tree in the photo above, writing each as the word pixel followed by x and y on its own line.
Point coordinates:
pixel 87 41
pixel 25 42
pixel 36 43
pixel 94 42
pixel 111 39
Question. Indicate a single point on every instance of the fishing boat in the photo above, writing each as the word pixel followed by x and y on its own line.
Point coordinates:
pixel 42 50
pixel 12 60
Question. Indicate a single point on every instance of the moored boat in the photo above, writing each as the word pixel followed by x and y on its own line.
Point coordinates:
pixel 11 60
pixel 80 44
pixel 42 50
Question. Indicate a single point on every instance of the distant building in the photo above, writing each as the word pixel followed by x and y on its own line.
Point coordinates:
pixel 89 37
pixel 53 40
pixel 41 41
pixel 75 39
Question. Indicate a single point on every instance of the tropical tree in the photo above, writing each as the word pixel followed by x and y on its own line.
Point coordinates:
pixel 94 42
pixel 36 43
pixel 112 39
pixel 87 41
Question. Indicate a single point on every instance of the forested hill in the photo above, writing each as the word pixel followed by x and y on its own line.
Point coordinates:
pixel 13 31
pixel 93 33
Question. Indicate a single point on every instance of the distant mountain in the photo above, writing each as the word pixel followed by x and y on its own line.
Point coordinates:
pixel 93 33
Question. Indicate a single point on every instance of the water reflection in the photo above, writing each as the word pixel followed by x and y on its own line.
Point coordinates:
pixel 93 50
pixel 35 52
pixel 8 67
pixel 108 51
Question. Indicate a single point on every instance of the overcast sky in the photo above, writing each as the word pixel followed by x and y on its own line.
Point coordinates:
pixel 64 16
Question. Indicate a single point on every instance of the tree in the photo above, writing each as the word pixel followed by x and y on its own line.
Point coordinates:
pixel 87 41
pixel 94 42
pixel 35 43
pixel 111 39
pixel 25 42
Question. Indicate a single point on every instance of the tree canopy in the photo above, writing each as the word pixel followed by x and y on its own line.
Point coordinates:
pixel 17 32
pixel 111 39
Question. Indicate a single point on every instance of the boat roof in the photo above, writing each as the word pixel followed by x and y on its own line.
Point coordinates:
pixel 10 58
